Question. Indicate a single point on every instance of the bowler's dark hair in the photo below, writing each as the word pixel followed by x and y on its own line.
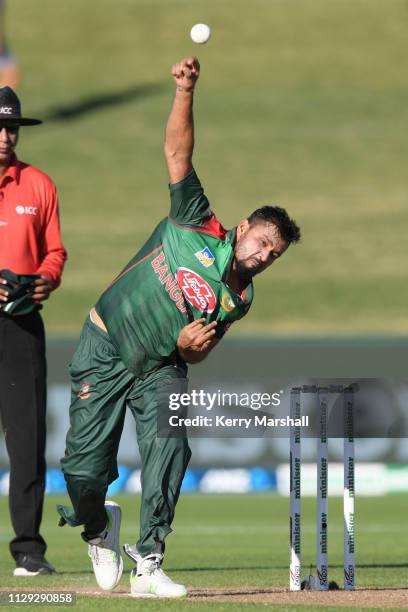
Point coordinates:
pixel 288 228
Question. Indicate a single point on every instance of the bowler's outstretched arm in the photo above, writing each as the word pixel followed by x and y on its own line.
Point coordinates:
pixel 179 137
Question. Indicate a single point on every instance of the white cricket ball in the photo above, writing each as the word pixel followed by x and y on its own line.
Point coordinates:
pixel 200 33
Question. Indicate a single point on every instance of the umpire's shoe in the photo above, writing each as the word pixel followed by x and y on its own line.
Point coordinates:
pixel 32 565
pixel 105 552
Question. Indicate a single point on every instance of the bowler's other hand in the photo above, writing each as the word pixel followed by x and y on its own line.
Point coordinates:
pixel 186 73
pixel 196 336
pixel 42 288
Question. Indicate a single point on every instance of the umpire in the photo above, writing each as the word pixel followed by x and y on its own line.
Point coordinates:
pixel 32 257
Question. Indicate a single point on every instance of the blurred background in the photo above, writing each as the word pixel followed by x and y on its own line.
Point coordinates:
pixel 299 103
pixel 303 104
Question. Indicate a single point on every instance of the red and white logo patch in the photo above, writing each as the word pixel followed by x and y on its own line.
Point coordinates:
pixel 196 290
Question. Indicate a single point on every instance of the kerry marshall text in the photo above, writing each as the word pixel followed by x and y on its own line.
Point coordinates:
pixel 223 421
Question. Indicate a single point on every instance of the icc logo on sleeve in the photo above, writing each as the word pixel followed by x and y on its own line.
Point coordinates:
pixel 26 210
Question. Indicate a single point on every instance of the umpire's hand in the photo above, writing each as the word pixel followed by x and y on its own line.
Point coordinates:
pixel 42 288
pixel 3 291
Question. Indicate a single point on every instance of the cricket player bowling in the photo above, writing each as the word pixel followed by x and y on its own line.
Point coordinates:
pixel 169 307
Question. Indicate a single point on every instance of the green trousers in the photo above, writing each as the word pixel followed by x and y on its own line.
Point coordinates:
pixel 102 389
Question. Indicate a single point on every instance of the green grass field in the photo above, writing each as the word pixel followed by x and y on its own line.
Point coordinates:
pixel 303 103
pixel 234 542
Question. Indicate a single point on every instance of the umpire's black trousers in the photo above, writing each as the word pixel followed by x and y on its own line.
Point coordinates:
pixel 22 411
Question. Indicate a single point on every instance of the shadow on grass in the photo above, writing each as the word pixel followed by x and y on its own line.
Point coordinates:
pixel 77 109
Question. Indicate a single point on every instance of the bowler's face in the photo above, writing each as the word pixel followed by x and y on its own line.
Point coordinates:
pixel 257 247
pixel 8 141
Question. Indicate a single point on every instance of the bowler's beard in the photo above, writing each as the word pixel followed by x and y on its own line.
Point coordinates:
pixel 246 274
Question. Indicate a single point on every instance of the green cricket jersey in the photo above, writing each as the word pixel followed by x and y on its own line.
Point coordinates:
pixel 179 275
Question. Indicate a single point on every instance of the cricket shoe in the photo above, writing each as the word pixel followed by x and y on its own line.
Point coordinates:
pixel 104 550
pixel 148 580
pixel 32 565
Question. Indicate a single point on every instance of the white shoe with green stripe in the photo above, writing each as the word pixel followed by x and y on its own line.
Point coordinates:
pixel 104 550
pixel 148 580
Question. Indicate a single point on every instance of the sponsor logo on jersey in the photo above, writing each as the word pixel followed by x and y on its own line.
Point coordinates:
pixel 3 223
pixel 26 210
pixel 227 302
pixel 196 290
pixel 168 281
pixel 205 257
pixel 85 391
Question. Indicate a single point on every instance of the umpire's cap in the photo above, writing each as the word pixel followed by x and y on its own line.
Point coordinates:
pixel 10 108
